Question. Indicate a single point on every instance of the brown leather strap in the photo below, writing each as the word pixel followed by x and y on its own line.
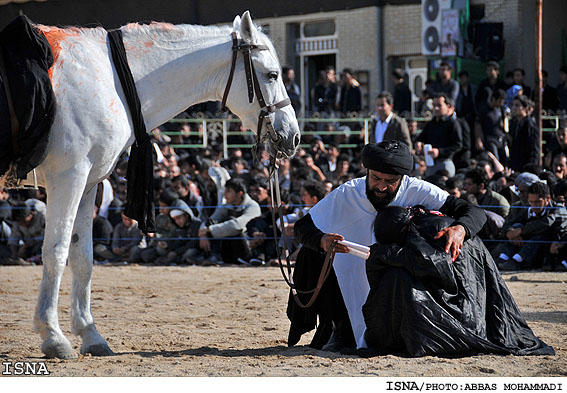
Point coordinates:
pixel 325 271
pixel 15 125
pixel 329 258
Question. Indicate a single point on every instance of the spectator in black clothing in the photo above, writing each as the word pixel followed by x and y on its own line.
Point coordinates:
pixel 550 99
pixel 445 84
pixel 525 136
pixel 259 191
pixel 402 93
pixel 184 247
pixel 489 129
pixel 444 135
pixel 562 89
pixel 260 229
pixel 464 105
pixel 462 158
pixel 314 171
pixel 188 192
pixel 350 95
pixel 102 235
pixel 324 94
pixel 454 186
pixel 293 92
pixel 556 145
pixel 162 240
pixel 489 85
pixel 519 75
pixel 328 162
pixel 509 79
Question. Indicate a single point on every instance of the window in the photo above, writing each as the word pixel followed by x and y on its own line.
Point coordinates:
pixel 315 29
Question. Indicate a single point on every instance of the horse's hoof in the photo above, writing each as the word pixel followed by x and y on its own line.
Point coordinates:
pixel 59 351
pixel 98 350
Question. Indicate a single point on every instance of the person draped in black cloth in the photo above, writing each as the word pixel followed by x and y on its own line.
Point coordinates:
pixel 422 303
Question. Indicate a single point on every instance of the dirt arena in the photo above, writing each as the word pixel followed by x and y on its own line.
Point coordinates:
pixel 231 322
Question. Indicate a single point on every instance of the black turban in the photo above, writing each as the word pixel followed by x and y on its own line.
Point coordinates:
pixel 391 157
pixel 391 223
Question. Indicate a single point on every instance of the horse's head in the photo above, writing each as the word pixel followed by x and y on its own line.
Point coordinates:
pixel 258 95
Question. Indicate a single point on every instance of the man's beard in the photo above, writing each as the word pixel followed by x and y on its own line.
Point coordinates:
pixel 384 199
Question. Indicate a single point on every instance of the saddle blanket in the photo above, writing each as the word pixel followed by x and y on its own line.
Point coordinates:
pixel 27 59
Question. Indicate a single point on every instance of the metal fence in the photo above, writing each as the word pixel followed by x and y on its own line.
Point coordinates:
pixel 208 131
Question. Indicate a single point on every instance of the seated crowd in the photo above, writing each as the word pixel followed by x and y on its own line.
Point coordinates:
pixel 213 210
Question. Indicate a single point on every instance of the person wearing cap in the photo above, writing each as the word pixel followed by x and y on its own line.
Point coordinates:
pixel 422 303
pixel 184 246
pixel 348 213
pixel 522 183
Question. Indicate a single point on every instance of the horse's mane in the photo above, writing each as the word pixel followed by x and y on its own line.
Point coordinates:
pixel 177 32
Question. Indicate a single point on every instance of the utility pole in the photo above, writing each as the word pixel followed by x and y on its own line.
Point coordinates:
pixel 539 79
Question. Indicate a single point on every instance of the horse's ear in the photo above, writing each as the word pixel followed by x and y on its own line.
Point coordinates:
pixel 248 31
pixel 236 23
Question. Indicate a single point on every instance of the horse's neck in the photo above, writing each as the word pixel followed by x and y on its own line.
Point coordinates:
pixel 173 73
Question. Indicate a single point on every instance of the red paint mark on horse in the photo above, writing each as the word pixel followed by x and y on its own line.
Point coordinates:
pixel 55 36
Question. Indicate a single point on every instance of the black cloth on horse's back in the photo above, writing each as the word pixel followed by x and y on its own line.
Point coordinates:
pixel 140 173
pixel 27 58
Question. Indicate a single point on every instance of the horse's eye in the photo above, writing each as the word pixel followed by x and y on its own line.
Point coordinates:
pixel 273 75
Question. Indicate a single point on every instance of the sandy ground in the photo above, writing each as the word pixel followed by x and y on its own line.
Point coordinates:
pixel 230 322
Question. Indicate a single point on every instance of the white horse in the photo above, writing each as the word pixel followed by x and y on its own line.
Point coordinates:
pixel 174 67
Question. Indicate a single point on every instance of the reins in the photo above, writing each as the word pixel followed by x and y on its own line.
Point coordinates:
pixel 253 87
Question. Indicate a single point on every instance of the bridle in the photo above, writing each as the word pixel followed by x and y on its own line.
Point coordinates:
pixel 253 86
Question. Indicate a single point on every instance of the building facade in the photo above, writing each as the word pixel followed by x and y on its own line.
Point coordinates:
pixel 371 37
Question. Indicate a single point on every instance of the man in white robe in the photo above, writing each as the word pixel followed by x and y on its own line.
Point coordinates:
pixel 348 214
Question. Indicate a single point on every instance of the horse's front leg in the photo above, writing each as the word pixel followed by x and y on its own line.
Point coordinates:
pixel 64 194
pixel 81 262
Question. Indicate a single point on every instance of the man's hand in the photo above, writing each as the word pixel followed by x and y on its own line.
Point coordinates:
pixel 434 152
pixel 555 247
pixel 514 234
pixel 419 147
pixel 329 238
pixel 289 230
pixel 205 244
pixel 455 238
pixel 479 144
